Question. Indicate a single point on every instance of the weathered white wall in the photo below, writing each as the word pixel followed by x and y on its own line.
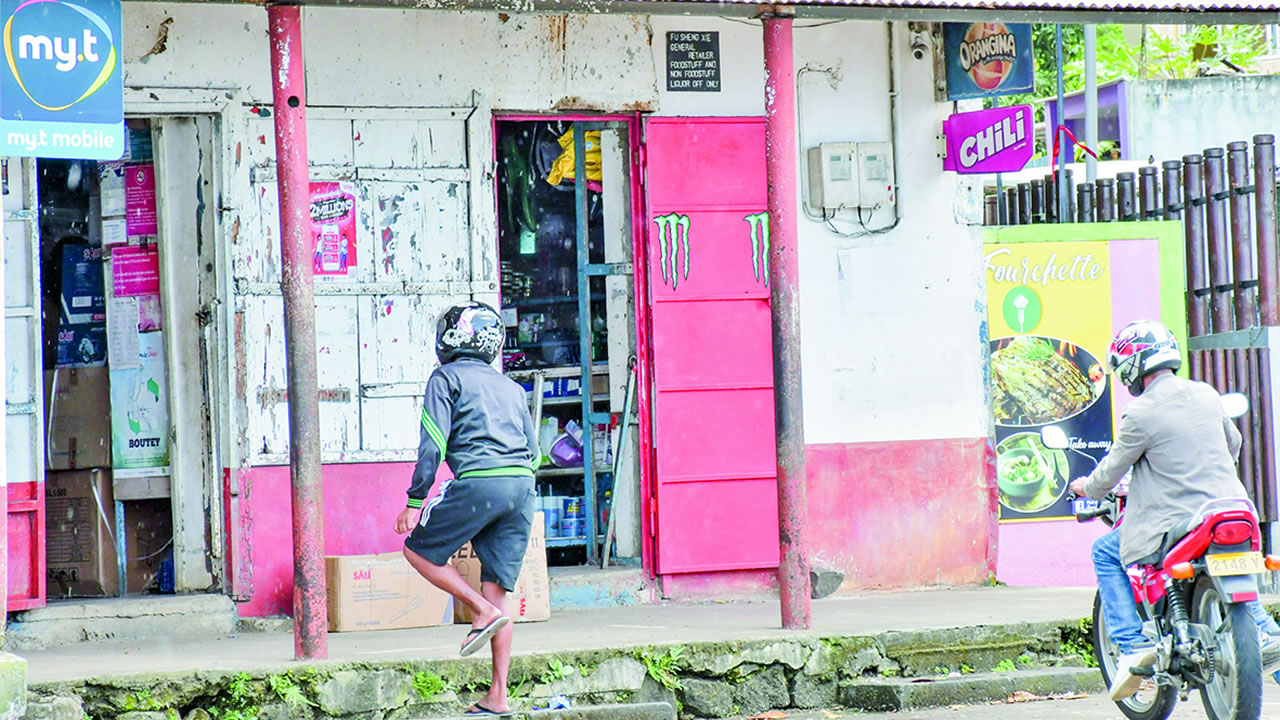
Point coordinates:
pixel 1172 118
pixel 401 58
pixel 892 323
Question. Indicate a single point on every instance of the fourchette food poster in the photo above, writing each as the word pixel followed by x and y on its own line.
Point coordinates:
pixel 1056 294
pixel 1050 323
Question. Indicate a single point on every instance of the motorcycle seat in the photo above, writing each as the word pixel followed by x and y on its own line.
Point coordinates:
pixel 1171 539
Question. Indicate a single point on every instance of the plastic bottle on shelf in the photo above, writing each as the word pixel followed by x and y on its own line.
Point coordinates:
pixel 547 434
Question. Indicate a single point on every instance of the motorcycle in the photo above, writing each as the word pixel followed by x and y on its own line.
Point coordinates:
pixel 1191 597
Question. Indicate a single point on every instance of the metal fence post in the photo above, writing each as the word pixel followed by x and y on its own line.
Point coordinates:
pixel 1198 289
pixel 1106 199
pixel 1246 304
pixel 1149 193
pixel 1264 181
pixel 1126 197
pixel 1215 191
pixel 1172 186
pixel 1084 202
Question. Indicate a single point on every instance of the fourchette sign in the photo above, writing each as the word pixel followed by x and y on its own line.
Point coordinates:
pixel 988 141
pixel 61 87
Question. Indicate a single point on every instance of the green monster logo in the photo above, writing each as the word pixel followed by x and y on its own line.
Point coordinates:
pixel 759 245
pixel 672 246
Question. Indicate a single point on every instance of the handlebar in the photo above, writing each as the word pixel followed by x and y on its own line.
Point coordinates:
pixel 1088 515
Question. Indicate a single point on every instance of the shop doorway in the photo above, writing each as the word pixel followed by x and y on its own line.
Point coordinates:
pixel 122 264
pixel 565 248
pixel 715 488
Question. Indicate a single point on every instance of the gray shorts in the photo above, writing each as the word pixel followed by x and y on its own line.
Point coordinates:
pixel 494 514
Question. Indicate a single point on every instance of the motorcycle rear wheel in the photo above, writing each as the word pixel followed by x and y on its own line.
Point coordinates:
pixel 1235 692
pixel 1150 703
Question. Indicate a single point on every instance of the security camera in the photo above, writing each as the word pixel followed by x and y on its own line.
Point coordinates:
pixel 919 45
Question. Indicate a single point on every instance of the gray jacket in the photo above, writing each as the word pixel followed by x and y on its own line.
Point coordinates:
pixel 1182 450
pixel 477 420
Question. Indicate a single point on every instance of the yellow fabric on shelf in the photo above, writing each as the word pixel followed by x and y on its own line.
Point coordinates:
pixel 563 168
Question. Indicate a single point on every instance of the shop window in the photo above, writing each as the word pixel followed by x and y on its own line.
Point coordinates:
pixel 106 403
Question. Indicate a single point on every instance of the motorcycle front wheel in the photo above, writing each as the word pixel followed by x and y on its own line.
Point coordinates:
pixel 1152 701
pixel 1235 691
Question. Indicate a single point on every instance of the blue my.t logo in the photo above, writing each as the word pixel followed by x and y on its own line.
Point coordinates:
pixel 61 61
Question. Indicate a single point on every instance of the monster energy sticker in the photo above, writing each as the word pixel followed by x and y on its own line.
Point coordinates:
pixel 759 245
pixel 673 246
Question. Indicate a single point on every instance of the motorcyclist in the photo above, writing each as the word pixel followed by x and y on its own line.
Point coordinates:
pixel 1182 449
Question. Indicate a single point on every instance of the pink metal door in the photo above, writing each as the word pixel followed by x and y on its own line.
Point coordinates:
pixel 707 244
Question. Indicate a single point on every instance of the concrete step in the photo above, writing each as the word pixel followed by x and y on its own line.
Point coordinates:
pixel 635 711
pixel 897 694
pixel 66 622
pixel 577 588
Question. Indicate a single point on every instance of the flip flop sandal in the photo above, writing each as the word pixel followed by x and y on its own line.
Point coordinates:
pixel 478 710
pixel 477 638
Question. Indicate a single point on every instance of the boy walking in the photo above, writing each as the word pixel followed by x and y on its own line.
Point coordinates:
pixel 478 421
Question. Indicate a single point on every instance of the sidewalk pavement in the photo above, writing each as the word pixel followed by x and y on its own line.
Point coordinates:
pixel 577 630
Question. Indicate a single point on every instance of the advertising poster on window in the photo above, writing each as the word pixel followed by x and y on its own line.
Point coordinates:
pixel 333 229
pixel 140 412
pixel 1055 297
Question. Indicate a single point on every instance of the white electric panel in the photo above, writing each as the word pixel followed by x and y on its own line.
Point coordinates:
pixel 847 176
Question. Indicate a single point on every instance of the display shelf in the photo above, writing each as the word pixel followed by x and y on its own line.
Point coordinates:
pixel 571 400
pixel 566 541
pixel 555 371
pixel 547 301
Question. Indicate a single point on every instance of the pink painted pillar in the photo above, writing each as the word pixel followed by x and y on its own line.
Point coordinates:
pixel 288 81
pixel 784 296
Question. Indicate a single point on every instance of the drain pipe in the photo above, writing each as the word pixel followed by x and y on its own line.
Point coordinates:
pixel 784 298
pixel 288 86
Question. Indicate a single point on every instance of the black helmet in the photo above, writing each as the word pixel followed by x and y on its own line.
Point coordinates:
pixel 1141 348
pixel 471 329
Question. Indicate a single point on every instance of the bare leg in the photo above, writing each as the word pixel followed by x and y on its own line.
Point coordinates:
pixel 446 578
pixel 496 700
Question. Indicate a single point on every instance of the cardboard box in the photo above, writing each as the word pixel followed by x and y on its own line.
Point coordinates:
pixel 78 407
pixel 82 345
pixel 83 296
pixel 80 554
pixel 382 592
pixel 531 600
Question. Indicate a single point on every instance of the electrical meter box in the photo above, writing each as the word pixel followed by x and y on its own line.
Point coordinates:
pixel 846 176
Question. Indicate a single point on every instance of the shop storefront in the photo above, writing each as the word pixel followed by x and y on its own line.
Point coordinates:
pixel 432 186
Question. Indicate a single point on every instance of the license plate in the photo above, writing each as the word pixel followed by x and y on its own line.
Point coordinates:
pixel 1245 563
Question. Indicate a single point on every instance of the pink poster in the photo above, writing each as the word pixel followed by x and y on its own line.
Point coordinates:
pixel 135 271
pixel 333 228
pixel 140 200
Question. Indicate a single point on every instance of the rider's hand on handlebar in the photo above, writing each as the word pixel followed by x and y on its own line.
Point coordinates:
pixel 1077 487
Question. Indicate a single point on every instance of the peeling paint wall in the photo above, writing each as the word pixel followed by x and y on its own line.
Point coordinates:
pixel 401 58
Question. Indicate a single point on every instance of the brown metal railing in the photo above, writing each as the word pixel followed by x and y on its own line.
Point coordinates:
pixel 1226 201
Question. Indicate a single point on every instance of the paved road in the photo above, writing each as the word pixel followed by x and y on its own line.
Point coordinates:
pixel 1097 707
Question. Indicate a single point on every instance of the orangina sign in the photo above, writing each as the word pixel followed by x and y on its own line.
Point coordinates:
pixel 988 59
pixel 1056 294
pixel 61 90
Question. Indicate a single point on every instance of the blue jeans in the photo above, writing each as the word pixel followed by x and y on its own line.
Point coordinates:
pixel 1124 626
